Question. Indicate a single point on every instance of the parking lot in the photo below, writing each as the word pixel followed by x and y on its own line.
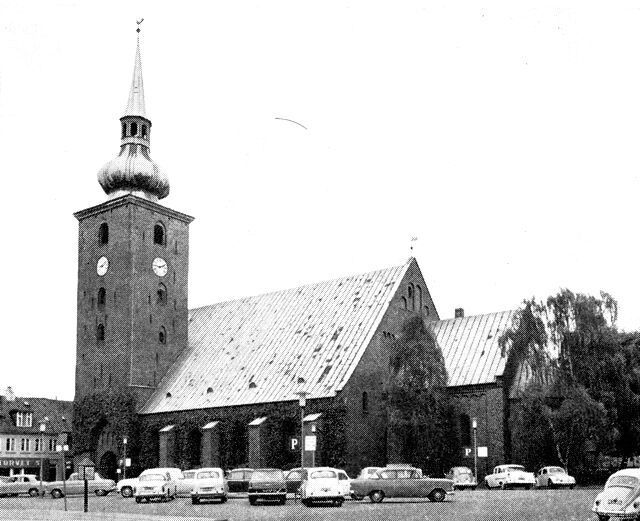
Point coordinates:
pixel 510 505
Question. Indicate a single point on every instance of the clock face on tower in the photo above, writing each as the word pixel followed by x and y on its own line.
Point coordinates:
pixel 159 267
pixel 102 266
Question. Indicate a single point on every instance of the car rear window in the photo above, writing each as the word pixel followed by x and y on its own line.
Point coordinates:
pixel 266 474
pixel 238 474
pixel 152 477
pixel 208 474
pixel 320 474
pixel 189 475
pixel 556 470
pixel 515 468
pixel 622 481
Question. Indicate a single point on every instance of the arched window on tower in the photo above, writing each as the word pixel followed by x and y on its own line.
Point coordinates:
pixel 410 294
pixel 134 129
pixel 162 294
pixel 102 297
pixel 418 298
pixel 124 130
pixel 144 130
pixel 100 333
pixel 103 234
pixel 465 430
pixel 159 236
pixel 404 302
pixel 162 337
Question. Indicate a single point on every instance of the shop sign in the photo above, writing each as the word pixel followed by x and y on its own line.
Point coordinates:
pixel 17 463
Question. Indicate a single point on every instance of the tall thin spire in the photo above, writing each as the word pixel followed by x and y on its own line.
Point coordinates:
pixel 135 105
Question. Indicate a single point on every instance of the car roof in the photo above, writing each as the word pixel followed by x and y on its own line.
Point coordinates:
pixel 635 472
pixel 204 468
pixel 241 468
pixel 160 469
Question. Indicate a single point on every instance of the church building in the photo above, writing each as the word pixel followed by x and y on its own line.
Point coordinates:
pixel 233 383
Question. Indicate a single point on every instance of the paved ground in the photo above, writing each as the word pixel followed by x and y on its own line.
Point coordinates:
pixel 481 505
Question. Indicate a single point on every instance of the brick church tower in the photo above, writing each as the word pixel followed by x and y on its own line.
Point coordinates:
pixel 133 258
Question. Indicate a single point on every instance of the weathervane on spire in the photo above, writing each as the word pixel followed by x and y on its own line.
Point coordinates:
pixel 413 239
pixel 139 22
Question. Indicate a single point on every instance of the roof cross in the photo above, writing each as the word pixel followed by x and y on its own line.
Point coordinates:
pixel 139 22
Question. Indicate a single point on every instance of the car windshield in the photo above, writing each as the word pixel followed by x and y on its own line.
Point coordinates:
pixel 623 481
pixel 208 474
pixel 266 474
pixel 189 475
pixel 556 470
pixel 152 477
pixel 514 468
pixel 320 474
pixel 463 470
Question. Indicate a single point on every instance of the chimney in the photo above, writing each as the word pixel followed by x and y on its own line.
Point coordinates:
pixel 459 313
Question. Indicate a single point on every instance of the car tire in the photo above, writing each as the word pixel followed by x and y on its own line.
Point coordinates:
pixel 33 492
pixel 252 501
pixel 473 488
pixel 223 500
pixel 126 492
pixel 101 492
pixel 339 502
pixel 306 502
pixel 550 484
pixel 437 495
pixel 603 518
pixel 283 501
pixel 571 487
pixel 56 493
pixel 195 501
pixel 138 500
pixel 503 486
pixel 376 496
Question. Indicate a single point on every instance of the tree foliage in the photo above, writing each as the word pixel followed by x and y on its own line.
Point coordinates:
pixel 419 412
pixel 583 400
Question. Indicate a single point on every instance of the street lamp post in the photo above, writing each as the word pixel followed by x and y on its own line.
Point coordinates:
pixel 474 424
pixel 302 401
pixel 62 448
pixel 124 461
pixel 43 427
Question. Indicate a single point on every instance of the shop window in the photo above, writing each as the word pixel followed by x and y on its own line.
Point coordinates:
pixel 102 297
pixel 103 234
pixel 162 294
pixel 465 430
pixel 100 333
pixel 159 235
pixel 365 403
pixel 162 335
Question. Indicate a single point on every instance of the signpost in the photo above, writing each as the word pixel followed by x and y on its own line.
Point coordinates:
pixel 86 471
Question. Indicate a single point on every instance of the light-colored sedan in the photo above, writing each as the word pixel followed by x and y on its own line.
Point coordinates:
pixel 21 484
pixel 552 477
pixel 620 498
pixel 74 485
pixel 157 484
pixel 510 476
pixel 209 483
pixel 321 485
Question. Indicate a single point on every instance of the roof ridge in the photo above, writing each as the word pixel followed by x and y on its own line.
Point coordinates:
pixel 325 281
pixel 477 315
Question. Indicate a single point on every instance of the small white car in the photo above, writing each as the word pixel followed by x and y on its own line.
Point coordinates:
pixel 369 473
pixel 510 476
pixel 209 483
pixel 552 477
pixel 462 478
pixel 322 485
pixel 158 483
pixel 620 498
pixel 344 482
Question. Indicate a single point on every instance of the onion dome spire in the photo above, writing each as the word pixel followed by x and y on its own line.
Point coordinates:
pixel 133 171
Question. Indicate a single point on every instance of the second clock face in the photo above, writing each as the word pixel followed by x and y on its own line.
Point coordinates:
pixel 159 267
pixel 102 266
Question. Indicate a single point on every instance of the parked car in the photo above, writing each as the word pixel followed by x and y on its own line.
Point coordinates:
pixel 185 482
pixel 238 479
pixel 620 498
pixel 160 483
pixel 294 479
pixel 321 484
pixel 74 485
pixel 125 486
pixel 405 481
pixel 510 476
pixel 552 477
pixel 209 483
pixel 21 484
pixel 345 483
pixel 462 478
pixel 267 485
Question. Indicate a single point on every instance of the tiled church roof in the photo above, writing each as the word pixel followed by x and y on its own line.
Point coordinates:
pixel 470 347
pixel 256 349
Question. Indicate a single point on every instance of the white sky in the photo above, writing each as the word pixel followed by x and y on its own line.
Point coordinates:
pixel 505 139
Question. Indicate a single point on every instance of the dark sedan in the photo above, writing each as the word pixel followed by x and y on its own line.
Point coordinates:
pixel 267 485
pixel 238 480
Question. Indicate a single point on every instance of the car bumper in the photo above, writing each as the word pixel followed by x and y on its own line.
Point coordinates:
pixel 267 495
pixel 466 484
pixel 320 497
pixel 208 495
pixel 616 514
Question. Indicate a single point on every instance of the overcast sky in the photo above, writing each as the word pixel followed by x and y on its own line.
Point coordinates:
pixel 505 139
